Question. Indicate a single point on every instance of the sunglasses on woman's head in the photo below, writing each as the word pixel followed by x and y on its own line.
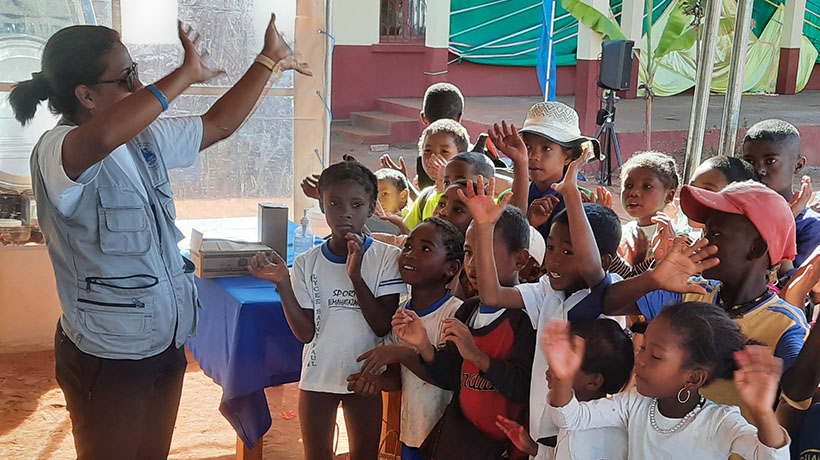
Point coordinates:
pixel 130 78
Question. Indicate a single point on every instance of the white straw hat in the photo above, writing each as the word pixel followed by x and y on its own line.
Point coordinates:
pixel 559 123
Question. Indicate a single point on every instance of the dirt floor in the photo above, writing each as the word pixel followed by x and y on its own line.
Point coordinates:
pixel 34 422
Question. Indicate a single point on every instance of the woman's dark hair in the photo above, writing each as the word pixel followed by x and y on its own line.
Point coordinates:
pixel 353 171
pixel 733 168
pixel 605 225
pixel 608 352
pixel 707 335
pixel 452 238
pixel 72 56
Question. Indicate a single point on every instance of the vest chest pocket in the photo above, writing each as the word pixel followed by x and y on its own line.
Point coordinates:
pixel 123 222
pixel 166 198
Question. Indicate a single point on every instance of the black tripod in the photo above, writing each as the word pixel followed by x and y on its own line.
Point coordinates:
pixel 609 142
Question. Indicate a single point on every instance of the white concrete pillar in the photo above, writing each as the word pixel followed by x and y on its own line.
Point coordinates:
pixel 437 34
pixel 793 24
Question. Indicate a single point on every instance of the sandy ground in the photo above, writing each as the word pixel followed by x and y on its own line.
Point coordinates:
pixel 34 422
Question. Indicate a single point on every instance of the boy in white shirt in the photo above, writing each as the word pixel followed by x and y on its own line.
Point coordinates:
pixel 576 278
pixel 339 303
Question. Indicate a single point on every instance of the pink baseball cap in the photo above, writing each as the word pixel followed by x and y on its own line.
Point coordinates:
pixel 768 212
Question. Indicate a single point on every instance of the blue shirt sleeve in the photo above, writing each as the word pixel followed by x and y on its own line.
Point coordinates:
pixel 807 226
pixel 591 306
pixel 790 344
pixel 652 303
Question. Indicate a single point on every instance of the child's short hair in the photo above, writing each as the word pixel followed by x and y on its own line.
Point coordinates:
pixel 773 130
pixel 605 224
pixel 442 100
pixel 708 336
pixel 735 169
pixel 482 166
pixel 513 228
pixel 445 125
pixel 395 177
pixel 354 171
pixel 608 352
pixel 662 164
pixel 462 184
pixel 452 238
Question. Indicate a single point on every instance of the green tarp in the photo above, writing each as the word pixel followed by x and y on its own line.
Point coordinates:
pixel 507 32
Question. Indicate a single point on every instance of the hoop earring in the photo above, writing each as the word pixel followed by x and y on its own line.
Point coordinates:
pixel 688 394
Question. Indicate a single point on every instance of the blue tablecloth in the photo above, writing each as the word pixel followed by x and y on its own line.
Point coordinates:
pixel 244 343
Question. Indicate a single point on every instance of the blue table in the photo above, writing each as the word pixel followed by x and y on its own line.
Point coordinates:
pixel 244 343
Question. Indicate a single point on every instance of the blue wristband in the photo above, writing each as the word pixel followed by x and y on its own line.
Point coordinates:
pixel 159 95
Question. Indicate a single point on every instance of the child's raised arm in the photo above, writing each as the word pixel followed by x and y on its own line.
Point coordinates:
pixel 757 379
pixel 671 274
pixel 486 213
pixel 565 353
pixel 508 141
pixel 583 241
pixel 376 311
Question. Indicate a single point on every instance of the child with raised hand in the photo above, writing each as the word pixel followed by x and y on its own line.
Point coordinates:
pixel 465 165
pixel 649 181
pixel 486 357
pixel 773 147
pixel 605 370
pixel 687 346
pixel 552 137
pixel 339 301
pixel 431 257
pixel 439 143
pixel 576 279
pixel 750 229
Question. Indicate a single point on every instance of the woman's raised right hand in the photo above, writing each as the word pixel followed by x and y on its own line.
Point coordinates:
pixel 194 61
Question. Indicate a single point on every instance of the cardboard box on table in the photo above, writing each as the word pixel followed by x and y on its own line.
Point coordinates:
pixel 216 257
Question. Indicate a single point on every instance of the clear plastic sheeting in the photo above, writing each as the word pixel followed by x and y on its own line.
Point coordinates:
pixel 225 34
pixel 256 162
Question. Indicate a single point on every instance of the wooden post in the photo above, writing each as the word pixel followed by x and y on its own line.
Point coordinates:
pixel 309 112
pixel 391 424
pixel 243 453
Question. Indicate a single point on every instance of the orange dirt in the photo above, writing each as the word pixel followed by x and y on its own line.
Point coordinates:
pixel 34 423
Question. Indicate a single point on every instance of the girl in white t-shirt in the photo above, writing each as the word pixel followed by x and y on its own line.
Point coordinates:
pixel 339 302
pixel 686 346
pixel 430 258
pixel 605 370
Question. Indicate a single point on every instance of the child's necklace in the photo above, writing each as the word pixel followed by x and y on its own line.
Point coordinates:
pixel 680 424
pixel 743 306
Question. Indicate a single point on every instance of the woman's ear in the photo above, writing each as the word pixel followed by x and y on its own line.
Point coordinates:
pixel 85 97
